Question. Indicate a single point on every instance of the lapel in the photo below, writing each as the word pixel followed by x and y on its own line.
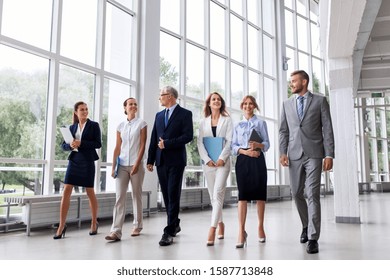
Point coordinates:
pixel 75 126
pixel 73 129
pixel 308 102
pixel 160 119
pixel 294 106
pixel 221 121
pixel 86 127
pixel 174 113
pixel 293 102
pixel 207 128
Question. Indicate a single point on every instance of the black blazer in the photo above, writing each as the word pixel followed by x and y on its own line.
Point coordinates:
pixel 91 140
pixel 176 135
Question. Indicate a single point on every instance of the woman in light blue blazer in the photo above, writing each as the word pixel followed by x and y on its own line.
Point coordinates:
pixel 251 169
pixel 217 123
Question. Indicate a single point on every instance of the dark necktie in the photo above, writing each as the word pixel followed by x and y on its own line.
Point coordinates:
pixel 300 107
pixel 166 117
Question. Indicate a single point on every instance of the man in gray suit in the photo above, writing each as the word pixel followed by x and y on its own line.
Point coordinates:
pixel 306 146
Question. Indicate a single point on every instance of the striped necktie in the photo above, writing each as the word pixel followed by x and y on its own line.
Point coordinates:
pixel 300 107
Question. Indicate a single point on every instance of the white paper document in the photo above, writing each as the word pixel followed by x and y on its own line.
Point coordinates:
pixel 68 137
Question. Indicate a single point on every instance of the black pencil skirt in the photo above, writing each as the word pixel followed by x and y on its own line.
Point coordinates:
pixel 80 173
pixel 251 174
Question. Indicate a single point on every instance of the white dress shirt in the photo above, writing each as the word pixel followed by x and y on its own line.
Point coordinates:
pixel 130 134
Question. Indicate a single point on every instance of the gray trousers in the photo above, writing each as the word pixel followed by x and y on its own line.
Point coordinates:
pixel 305 178
pixel 122 182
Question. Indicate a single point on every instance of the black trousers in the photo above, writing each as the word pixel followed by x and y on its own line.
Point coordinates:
pixel 171 178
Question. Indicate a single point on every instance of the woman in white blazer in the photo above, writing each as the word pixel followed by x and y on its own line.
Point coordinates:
pixel 217 123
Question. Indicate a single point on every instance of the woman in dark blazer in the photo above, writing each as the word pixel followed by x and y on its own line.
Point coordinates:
pixel 81 166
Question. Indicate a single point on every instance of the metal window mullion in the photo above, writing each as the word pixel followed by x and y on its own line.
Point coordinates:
pixel 183 51
pixel 228 89
pixel 52 99
pixel 99 76
pixel 245 48
pixel 207 58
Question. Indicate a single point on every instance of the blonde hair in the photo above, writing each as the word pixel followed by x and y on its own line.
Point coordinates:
pixel 252 98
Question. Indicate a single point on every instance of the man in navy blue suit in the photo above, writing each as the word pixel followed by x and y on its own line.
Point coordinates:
pixel 172 130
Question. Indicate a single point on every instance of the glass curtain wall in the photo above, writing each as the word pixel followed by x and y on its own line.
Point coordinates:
pixel 63 52
pixel 373 138
pixel 224 46
pixel 302 37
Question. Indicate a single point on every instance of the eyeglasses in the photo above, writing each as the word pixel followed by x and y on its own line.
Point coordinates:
pixel 164 94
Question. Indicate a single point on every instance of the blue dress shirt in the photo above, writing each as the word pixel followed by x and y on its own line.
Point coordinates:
pixel 242 132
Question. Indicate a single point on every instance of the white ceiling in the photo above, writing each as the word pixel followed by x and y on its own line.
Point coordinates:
pixel 375 67
pixel 359 29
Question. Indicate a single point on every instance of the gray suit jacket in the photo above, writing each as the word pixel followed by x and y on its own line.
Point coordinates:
pixel 312 136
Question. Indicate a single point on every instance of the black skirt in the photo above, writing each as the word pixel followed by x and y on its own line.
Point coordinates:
pixel 80 173
pixel 251 174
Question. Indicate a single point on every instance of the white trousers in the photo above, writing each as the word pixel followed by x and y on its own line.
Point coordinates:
pixel 216 184
pixel 122 182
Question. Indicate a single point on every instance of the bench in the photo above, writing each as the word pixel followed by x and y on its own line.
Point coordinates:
pixel 380 186
pixel 199 196
pixel 42 210
pixel 196 197
pixel 364 187
pixel 278 192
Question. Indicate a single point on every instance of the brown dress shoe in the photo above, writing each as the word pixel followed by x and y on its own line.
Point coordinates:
pixel 112 237
pixel 136 231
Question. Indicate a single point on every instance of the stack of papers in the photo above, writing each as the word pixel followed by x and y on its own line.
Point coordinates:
pixel 67 135
pixel 116 167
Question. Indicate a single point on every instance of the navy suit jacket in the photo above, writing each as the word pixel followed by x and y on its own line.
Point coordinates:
pixel 91 140
pixel 176 135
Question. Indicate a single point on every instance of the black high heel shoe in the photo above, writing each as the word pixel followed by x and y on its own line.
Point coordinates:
pixel 95 231
pixel 62 234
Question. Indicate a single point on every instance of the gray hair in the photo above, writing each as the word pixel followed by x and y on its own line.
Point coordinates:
pixel 171 90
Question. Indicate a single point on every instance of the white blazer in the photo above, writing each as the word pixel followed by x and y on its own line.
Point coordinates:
pixel 224 129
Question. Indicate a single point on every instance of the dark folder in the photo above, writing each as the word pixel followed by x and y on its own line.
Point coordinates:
pixel 116 167
pixel 255 137
pixel 214 146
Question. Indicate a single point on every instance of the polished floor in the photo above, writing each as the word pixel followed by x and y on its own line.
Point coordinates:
pixel 369 240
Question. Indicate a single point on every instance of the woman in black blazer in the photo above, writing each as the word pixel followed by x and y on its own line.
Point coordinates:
pixel 81 166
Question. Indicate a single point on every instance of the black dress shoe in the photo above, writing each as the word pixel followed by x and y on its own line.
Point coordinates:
pixel 177 230
pixel 166 240
pixel 62 234
pixel 312 247
pixel 94 232
pixel 304 238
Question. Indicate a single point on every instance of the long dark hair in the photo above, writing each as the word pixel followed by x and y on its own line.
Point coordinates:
pixel 207 109
pixel 75 118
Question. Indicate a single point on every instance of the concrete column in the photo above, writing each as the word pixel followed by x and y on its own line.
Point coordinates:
pixel 345 184
pixel 149 78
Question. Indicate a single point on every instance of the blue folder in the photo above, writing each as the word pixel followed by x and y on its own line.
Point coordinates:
pixel 214 146
pixel 116 167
